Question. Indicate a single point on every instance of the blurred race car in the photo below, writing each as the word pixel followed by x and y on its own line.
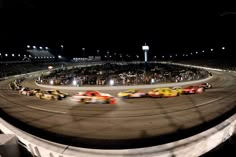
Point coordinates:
pixel 178 89
pixel 193 90
pixel 26 91
pixel 206 85
pixel 47 95
pixel 11 85
pixel 131 93
pixel 93 97
pixel 57 92
pixel 36 90
pixel 163 92
pixel 14 85
pixel 19 87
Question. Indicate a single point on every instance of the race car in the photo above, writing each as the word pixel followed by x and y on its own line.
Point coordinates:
pixel 193 90
pixel 57 92
pixel 206 85
pixel 36 90
pixel 14 85
pixel 26 91
pixel 163 92
pixel 11 85
pixel 131 93
pixel 48 96
pixel 18 87
pixel 178 89
pixel 93 97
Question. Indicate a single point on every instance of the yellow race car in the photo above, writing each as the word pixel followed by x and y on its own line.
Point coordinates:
pixel 163 93
pixel 178 89
pixel 131 93
pixel 47 95
pixel 93 97
pixel 57 92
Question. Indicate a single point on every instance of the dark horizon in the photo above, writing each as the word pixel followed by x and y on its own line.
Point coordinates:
pixel 170 32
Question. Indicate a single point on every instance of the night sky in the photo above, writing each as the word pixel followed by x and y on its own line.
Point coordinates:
pixel 167 30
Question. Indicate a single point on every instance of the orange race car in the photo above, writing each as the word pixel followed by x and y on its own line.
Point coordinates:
pixel 193 90
pixel 93 97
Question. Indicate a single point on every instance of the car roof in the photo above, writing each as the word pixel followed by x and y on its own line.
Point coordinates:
pixel 131 90
pixel 162 88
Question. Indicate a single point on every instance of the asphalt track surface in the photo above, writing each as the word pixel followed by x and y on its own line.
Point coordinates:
pixel 130 123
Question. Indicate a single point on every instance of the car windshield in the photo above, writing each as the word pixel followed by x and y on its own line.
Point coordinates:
pixel 156 90
pixel 130 91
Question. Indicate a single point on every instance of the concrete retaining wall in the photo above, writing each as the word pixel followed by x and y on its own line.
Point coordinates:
pixel 190 147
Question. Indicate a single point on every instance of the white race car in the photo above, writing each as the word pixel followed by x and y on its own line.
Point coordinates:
pixel 26 91
pixel 93 97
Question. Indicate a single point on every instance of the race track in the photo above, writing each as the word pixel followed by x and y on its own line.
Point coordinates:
pixel 130 123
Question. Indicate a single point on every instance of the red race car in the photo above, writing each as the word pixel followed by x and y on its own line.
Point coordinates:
pixel 205 85
pixel 26 91
pixel 193 90
pixel 93 97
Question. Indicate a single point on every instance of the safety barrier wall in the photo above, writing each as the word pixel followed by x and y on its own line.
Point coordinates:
pixel 189 147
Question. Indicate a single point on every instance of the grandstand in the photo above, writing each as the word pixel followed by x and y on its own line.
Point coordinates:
pixel 31 54
pixel 41 53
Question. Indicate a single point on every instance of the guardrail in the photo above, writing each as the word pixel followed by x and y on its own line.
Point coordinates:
pixel 189 147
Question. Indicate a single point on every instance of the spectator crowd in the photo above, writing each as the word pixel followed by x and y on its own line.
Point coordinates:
pixel 122 74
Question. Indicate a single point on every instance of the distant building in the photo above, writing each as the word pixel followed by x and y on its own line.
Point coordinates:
pixel 90 58
pixel 94 58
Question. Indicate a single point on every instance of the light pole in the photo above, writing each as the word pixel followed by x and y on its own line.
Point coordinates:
pixel 62 48
pixel 121 57
pixel 108 55
pixel 83 49
pixel 145 49
pixel 114 56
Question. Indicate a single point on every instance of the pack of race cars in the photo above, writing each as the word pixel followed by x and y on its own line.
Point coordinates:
pixel 43 94
pixel 165 92
pixel 92 96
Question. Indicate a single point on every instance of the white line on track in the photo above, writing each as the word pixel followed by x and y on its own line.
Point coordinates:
pixel 211 101
pixel 42 109
pixel 2 95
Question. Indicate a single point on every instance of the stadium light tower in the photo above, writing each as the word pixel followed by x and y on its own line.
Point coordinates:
pixel 62 48
pixel 83 49
pixel 145 49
